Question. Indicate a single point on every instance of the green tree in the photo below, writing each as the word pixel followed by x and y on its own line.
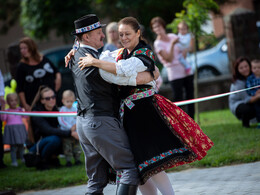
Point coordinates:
pixel 143 10
pixel 195 15
pixel 39 17
pixel 9 12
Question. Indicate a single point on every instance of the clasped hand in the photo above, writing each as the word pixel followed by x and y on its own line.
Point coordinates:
pixel 86 61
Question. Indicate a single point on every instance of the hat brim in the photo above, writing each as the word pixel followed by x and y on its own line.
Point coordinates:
pixel 74 32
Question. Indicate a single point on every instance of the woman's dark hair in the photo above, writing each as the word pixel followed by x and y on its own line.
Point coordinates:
pixel 131 21
pixel 236 73
pixel 32 48
pixel 158 20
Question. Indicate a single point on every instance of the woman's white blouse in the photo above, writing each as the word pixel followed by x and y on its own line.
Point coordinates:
pixel 126 70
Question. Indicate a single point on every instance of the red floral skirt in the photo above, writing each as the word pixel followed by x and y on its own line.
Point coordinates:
pixel 162 136
pixel 182 124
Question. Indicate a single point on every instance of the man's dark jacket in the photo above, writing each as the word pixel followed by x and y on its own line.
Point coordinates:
pixel 95 96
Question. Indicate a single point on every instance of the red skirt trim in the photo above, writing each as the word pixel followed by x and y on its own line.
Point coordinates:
pixel 187 129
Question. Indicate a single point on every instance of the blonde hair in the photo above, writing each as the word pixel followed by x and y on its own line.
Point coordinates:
pixel 68 93
pixel 111 26
pixel 8 97
pixel 184 23
pixel 37 100
pixel 38 96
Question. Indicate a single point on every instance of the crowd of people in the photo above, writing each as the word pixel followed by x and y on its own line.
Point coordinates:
pixel 38 82
pixel 129 134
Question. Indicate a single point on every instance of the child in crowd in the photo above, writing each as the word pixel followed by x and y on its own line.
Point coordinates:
pixel 71 146
pixel 15 133
pixel 254 80
pixel 184 45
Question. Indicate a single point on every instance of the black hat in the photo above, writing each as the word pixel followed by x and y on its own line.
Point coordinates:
pixel 86 23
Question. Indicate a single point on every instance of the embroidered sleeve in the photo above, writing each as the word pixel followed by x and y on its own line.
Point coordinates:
pixel 109 56
pixel 119 80
pixel 147 57
pixel 148 62
pixel 130 67
pixel 127 69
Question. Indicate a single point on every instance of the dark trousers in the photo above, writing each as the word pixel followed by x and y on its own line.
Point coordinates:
pixel 48 146
pixel 104 142
pixel 257 110
pixel 246 112
pixel 185 84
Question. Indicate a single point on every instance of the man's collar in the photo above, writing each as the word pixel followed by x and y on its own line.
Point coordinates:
pixel 87 46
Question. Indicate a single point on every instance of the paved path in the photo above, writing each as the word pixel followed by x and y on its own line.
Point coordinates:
pixel 241 179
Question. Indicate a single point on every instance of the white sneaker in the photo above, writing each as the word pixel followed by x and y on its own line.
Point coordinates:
pixel 14 164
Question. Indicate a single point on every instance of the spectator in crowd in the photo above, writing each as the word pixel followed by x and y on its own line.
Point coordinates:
pixel 46 131
pixel 112 37
pixel 2 106
pixel 253 80
pixel 241 104
pixel 33 71
pixel 184 44
pixel 70 145
pixel 15 133
pixel 168 52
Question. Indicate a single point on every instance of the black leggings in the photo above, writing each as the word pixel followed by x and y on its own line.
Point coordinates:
pixel 177 87
pixel 246 112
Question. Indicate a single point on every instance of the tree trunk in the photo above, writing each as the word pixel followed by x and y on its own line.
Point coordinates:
pixel 197 118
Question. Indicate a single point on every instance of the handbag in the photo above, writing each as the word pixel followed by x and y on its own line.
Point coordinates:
pixel 33 159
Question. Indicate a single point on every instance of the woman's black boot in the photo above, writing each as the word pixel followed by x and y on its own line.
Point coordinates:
pixel 125 189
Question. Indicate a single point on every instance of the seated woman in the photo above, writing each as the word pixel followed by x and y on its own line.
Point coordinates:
pixel 46 133
pixel 241 104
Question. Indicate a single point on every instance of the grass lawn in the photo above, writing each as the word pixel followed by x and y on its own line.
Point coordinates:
pixel 233 145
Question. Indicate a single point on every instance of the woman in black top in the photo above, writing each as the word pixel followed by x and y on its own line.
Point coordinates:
pixel 33 71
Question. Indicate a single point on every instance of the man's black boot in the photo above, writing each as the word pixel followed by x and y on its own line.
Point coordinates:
pixel 125 189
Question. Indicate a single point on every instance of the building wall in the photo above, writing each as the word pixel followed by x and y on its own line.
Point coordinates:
pixel 226 9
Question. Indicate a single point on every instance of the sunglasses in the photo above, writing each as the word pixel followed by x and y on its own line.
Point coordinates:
pixel 49 98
